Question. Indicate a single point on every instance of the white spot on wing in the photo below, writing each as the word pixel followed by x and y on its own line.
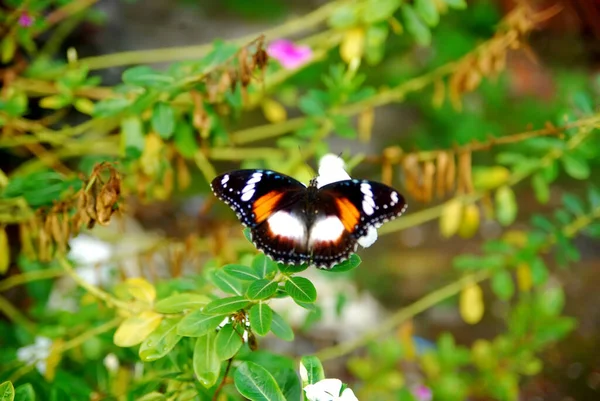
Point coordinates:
pixel 367 208
pixel 326 230
pixel 224 180
pixel 247 195
pixel 369 239
pixel 394 197
pixel 287 225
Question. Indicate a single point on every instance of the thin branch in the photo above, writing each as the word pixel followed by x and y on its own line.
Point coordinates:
pixel 28 277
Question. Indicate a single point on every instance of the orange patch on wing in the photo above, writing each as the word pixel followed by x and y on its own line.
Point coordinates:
pixel 349 214
pixel 263 206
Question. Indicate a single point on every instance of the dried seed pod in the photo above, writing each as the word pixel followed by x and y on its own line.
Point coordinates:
pixel 442 161
pixel 56 232
pixel 44 251
pixel 412 174
pixel 427 182
pixel 184 178
pixel 27 247
pixel 472 80
pixel 450 173
pixel 465 178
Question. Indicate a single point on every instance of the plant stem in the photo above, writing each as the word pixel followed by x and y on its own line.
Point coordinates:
pixel 95 291
pixel 16 316
pixel 28 277
pixel 292 27
pixel 222 384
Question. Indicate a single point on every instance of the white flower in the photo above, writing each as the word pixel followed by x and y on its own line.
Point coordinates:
pixel 92 256
pixel 332 169
pixel 36 353
pixel 111 362
pixel 328 390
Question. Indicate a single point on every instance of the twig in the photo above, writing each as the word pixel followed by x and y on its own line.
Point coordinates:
pixel 28 277
pixel 222 384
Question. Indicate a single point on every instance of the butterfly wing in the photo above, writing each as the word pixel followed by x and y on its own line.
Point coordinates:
pixel 254 195
pixel 269 203
pixel 346 211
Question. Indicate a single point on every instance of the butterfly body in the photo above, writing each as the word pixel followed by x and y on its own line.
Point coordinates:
pixel 295 224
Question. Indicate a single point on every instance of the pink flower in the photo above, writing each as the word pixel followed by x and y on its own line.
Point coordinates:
pixel 25 20
pixel 422 393
pixel 289 54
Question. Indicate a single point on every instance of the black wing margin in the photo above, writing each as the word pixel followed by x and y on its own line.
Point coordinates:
pixel 362 204
pixel 254 194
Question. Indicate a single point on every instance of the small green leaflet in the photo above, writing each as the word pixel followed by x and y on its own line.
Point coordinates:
pixel 161 341
pixel 198 323
pixel 228 342
pixel 301 289
pixel 179 302
pixel 261 317
pixel 225 306
pixel 264 266
pixel 163 119
pixel 281 328
pixel 7 391
pixel 226 283
pixel 207 364
pixel 256 383
pixel 241 272
pixel 261 289
pixel 311 370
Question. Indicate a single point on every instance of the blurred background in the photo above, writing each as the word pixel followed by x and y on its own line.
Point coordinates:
pixel 562 59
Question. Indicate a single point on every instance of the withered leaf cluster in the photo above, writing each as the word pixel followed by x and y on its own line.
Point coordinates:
pixel 48 232
pixel 489 59
pixel 443 173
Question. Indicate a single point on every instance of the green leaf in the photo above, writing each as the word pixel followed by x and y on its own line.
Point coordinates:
pixel 24 392
pixel 228 342
pixel 198 323
pixel 207 364
pixel 311 106
pixel 9 46
pixel 110 107
pixel 146 76
pixel 428 11
pixel 415 26
pixel 594 197
pixel 539 271
pixel 7 391
pixel 290 269
pixel 161 341
pixel 185 139
pixel 503 285
pixel 343 16
pixel 379 10
pixel 311 370
pixel 550 172
pixel 264 266
pixel 349 264
pixel 506 205
pixel 261 289
pixel 576 167
pixel 375 40
pixel 132 136
pixel 261 316
pixel 226 305
pixel 552 301
pixel 573 204
pixel 281 328
pixel 241 272
pixel 540 188
pixel 583 102
pixel 301 289
pixel 180 302
pixel 457 4
pixel 342 127
pixel 226 283
pixel 256 383
pixel 163 119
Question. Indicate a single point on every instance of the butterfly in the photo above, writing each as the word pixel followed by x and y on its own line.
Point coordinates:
pixel 296 224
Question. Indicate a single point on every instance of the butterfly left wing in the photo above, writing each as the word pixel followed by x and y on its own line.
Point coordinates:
pixel 254 195
pixel 347 209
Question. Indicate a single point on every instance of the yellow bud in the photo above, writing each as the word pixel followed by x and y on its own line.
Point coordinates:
pixel 470 221
pixel 524 279
pixel 85 106
pixel 4 251
pixel 353 45
pixel 274 112
pixel 471 303
pixel 450 218
pixel 490 177
pixel 52 102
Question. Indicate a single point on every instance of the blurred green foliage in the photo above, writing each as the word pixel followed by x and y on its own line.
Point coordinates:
pixel 162 132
